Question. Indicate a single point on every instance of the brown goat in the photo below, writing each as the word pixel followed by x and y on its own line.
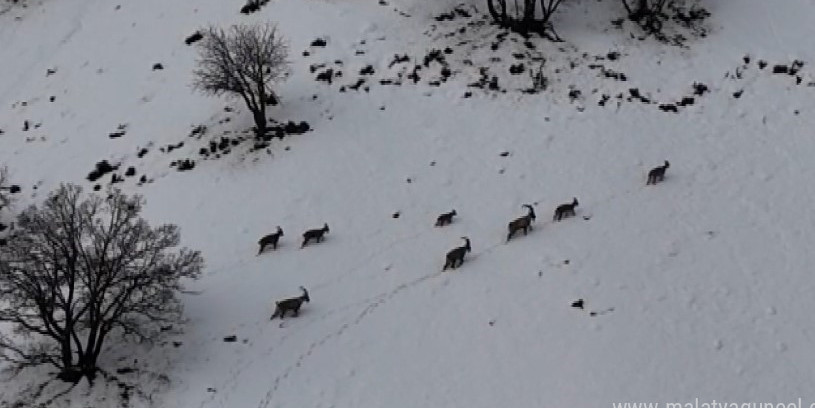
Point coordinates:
pixel 270 239
pixel 523 223
pixel 657 174
pixel 565 210
pixel 315 234
pixel 292 304
pixel 457 255
pixel 445 218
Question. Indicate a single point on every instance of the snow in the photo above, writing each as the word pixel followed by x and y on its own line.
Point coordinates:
pixel 701 285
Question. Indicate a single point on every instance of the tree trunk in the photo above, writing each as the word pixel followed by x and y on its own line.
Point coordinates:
pixel 67 353
pixel 499 17
pixel 640 11
pixel 87 367
pixel 260 121
pixel 529 13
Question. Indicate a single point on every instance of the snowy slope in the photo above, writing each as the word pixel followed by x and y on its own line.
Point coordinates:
pixel 700 286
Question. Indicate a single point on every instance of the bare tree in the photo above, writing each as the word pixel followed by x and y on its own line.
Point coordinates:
pixel 525 17
pixel 77 270
pixel 646 13
pixel 244 61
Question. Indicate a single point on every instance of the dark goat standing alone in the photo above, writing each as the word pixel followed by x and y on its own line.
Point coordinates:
pixel 315 234
pixel 657 174
pixel 457 255
pixel 270 239
pixel 445 218
pixel 565 210
pixel 523 223
pixel 292 304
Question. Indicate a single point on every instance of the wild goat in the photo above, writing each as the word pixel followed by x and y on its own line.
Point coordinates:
pixel 523 223
pixel 565 210
pixel 457 255
pixel 445 218
pixel 292 304
pixel 315 234
pixel 270 239
pixel 657 174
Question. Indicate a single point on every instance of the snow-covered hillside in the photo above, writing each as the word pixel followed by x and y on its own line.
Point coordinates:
pixel 698 287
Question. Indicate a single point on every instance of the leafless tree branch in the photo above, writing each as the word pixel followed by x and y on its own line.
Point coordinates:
pixel 79 268
pixel 244 61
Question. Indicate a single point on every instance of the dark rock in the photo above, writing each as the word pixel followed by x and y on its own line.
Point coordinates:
pixel 193 38
pixel 326 76
pixel 130 172
pixel 199 130
pixel 699 88
pixel 368 70
pixel 186 164
pixel 780 69
pixel 667 107
pixel 319 42
pixel 493 84
pixel 578 304
pixel 249 8
pixel 102 168
pixel 686 101
pixel 230 339
pixel 292 128
pixel 517 69
pixel 157 66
